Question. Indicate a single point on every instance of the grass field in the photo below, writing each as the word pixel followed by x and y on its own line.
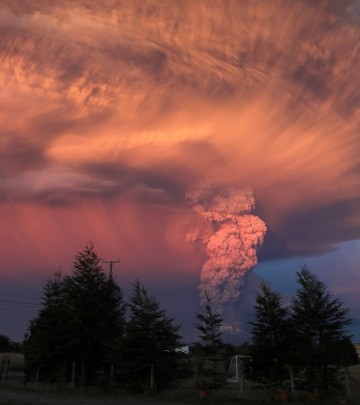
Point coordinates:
pixel 15 393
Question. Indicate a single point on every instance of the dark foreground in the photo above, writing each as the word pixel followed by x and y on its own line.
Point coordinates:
pixel 26 397
pixel 12 396
pixel 18 396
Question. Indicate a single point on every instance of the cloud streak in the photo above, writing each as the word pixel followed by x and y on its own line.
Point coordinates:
pixel 138 99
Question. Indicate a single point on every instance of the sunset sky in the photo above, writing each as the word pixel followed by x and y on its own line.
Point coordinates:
pixel 110 111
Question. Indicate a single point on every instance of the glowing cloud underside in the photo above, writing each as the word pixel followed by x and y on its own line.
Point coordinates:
pixel 231 246
pixel 109 110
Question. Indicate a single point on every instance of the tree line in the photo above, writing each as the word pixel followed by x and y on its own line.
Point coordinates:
pixel 82 333
pixel 307 342
pixel 86 333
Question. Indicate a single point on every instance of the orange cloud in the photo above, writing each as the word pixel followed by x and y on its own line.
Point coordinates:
pixel 132 101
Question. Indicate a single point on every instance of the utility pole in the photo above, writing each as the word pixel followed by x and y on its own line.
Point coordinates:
pixel 111 262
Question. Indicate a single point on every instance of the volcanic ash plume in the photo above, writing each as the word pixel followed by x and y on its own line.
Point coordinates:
pixel 231 246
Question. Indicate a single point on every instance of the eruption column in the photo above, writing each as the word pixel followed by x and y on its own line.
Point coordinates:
pixel 231 246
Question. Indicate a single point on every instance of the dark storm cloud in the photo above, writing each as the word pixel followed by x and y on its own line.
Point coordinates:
pixel 322 227
pixel 18 154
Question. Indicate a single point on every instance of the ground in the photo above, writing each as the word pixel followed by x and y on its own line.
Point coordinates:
pixel 16 393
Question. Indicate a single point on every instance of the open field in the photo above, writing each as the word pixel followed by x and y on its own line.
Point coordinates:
pixel 26 397
pixel 16 393
pixel 43 395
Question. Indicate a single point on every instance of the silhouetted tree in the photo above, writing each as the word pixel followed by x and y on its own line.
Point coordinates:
pixel 151 361
pixel 81 321
pixel 209 327
pixel 209 352
pixel 5 344
pixel 96 304
pixel 272 338
pixel 321 323
pixel 46 343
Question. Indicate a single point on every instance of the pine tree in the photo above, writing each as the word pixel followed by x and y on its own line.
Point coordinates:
pixel 151 342
pixel 97 308
pixel 321 322
pixel 46 343
pixel 209 327
pixel 209 351
pixel 81 321
pixel 271 338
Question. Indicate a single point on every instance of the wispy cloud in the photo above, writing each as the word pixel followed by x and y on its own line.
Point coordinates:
pixel 140 98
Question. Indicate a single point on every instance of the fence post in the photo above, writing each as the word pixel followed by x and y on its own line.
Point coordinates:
pixel 7 364
pixel 1 369
pixel 37 377
pixel 111 373
pixel 291 376
pixel 73 368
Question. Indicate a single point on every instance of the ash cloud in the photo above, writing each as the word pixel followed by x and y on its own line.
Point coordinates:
pixel 231 246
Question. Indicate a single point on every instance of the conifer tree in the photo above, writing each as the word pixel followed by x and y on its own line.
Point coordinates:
pixel 97 308
pixel 46 343
pixel 209 351
pixel 272 338
pixel 209 326
pixel 151 342
pixel 81 321
pixel 321 323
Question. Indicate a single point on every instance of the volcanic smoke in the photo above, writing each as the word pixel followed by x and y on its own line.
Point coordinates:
pixel 231 246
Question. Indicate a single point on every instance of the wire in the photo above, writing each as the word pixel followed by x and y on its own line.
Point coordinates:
pixel 8 291
pixel 19 302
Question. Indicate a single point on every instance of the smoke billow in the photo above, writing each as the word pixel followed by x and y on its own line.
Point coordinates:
pixel 231 246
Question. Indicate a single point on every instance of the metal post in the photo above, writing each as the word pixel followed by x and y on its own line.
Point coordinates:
pixel 241 379
pixel 347 382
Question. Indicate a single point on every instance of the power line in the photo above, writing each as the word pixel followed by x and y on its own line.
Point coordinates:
pixel 7 291
pixel 21 310
pixel 19 302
